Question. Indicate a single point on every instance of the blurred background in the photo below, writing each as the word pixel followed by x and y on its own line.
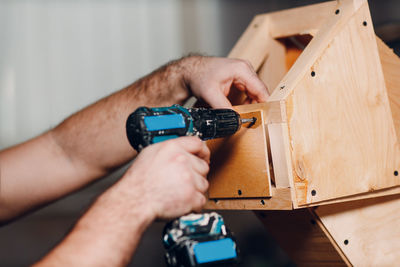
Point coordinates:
pixel 57 56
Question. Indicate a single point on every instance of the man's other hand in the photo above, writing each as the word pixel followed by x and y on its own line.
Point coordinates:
pixel 211 79
pixel 169 178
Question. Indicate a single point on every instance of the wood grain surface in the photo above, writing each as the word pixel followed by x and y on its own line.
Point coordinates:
pixel 239 163
pixel 341 130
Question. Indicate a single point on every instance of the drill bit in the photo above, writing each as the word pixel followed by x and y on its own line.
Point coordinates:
pixel 249 120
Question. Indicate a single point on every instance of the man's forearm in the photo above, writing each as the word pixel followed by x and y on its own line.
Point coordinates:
pixel 85 146
pixel 106 235
pixel 96 136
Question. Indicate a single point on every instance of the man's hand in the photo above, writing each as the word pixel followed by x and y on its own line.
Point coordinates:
pixel 212 78
pixel 166 180
pixel 169 178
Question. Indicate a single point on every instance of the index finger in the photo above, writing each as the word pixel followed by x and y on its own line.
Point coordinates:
pixel 246 80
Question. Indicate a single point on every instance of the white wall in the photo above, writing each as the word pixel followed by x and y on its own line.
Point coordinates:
pixel 59 56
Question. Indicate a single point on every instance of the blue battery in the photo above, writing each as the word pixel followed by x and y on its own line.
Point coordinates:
pixel 164 122
pixel 217 250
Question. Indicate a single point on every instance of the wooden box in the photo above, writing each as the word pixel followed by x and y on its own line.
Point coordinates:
pixel 328 139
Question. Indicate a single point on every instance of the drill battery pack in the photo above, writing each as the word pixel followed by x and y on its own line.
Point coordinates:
pixel 199 240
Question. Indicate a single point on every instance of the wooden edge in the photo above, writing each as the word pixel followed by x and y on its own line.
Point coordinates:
pixel 274 68
pixel 280 200
pixel 280 154
pixel 391 68
pixel 379 193
pixel 313 50
pixel 329 236
pixel 252 45
pixel 272 111
pixel 301 20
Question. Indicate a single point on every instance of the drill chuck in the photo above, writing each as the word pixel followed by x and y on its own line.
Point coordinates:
pixel 215 123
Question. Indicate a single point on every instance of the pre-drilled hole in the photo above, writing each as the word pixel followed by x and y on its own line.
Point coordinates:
pixel 396 173
pixel 337 11
pixel 216 200
pixel 365 23
pixel 239 192
pixel 313 192
pixel 262 202
pixel 346 242
pixel 313 73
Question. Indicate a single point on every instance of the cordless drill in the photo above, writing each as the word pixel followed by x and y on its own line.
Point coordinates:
pixel 194 239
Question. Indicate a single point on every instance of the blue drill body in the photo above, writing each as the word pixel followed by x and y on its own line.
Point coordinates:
pixel 194 239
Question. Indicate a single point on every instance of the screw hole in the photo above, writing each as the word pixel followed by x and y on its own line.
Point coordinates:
pixel 313 192
pixel 262 202
pixel 365 23
pixel 346 242
pixel 239 192
pixel 216 200
pixel 313 73
pixel 396 173
pixel 337 11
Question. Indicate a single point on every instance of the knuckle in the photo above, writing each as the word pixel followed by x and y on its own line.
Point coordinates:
pixel 206 167
pixel 201 201
pixel 187 194
pixel 186 176
pixel 180 158
pixel 207 184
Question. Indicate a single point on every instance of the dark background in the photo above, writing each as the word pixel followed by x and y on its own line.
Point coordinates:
pixel 28 239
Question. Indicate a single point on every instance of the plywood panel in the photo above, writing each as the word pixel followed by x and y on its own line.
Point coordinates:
pixel 367 231
pixel 239 163
pixel 300 20
pixel 340 126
